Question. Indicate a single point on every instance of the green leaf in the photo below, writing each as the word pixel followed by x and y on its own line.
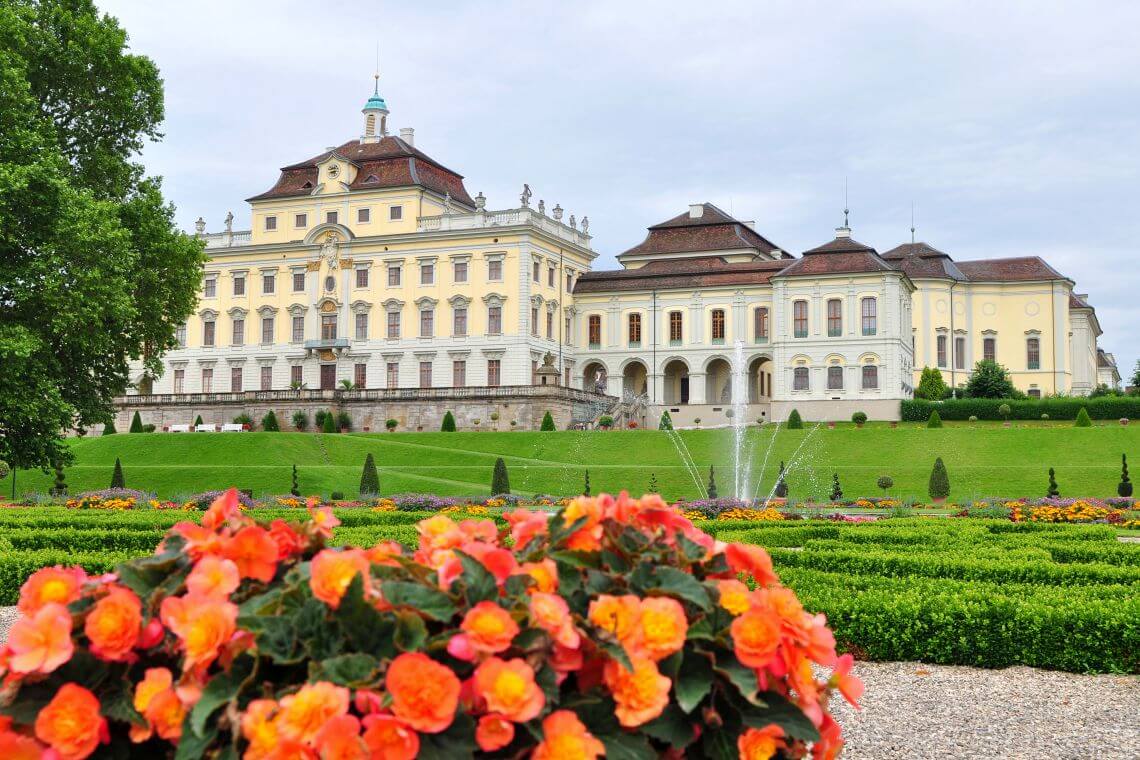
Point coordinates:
pixel 480 584
pixel 596 712
pixel 353 670
pixel 719 745
pixel 321 637
pixel 531 639
pixel 118 703
pixel 772 707
pixel 517 585
pixel 276 638
pixel 617 651
pixel 598 583
pixel 262 604
pixel 427 600
pixel 143 576
pixel 577 558
pixel 694 681
pixel 673 727
pixel 365 629
pixel 457 742
pixel 220 690
pixel 690 549
pixel 742 677
pixel 627 747
pixel 192 746
pixel 669 580
pixel 411 632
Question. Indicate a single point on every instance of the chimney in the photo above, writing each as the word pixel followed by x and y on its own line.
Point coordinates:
pixel 843 232
pixel 696 210
pixel 408 135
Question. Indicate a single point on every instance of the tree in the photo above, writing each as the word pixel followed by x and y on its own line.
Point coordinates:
pixel 990 380
pixel 795 422
pixel 586 485
pixel 934 420
pixel 117 475
pixel 500 482
pixel 885 482
pixel 836 489
pixel 300 419
pixel 1124 487
pixel 59 487
pixel 1053 491
pixel 1134 383
pixel 198 420
pixel 1083 418
pixel 84 237
pixel 712 483
pixel 136 423
pixel 369 479
pixel 939 485
pixel 547 423
pixel 448 425
pixel 269 422
pixel 109 428
pixel 328 424
pixel 666 422
pixel 343 421
pixel 781 489
pixel 244 419
pixel 859 418
pixel 295 489
pixel 653 487
pixel 931 385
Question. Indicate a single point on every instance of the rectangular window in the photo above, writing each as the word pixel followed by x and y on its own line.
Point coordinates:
pixel 427 274
pixel 360 375
pixel 362 278
pixel 328 327
pixel 834 318
pixel 550 325
pixel 298 329
pixel 235 379
pixel 208 333
pixel 458 373
pixel 239 284
pixel 393 324
pixel 1033 353
pixel 635 329
pixel 959 353
pixel 210 287
pixel 760 324
pixel 550 276
pixel 270 223
pixel 298 282
pixel 594 329
pixel 425 374
pixel 395 213
pixel 718 325
pixel 989 349
pixel 870 311
pixel 296 375
pixel 208 380
pixel 940 342
pixel 493 369
pixel 331 217
pixel 799 319
pixel 459 322
pixel 362 327
pixel 800 379
pixel 268 284
pixel 180 335
pixel 534 321
pixel 495 270
pixel 459 273
pixel 179 380
pixel 870 377
pixel 393 374
pixel 533 372
pixel 394 276
pixel 675 324
pixel 267 330
pixel 835 378
pixel 427 323
pixel 301 220
pixel 267 378
pixel 537 268
pixel 567 327
pixel 1033 393
pixel 363 215
pixel 569 282
pixel 494 320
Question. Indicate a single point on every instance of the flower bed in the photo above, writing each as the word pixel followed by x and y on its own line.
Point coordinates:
pixel 1056 510
pixel 614 626
pixel 109 498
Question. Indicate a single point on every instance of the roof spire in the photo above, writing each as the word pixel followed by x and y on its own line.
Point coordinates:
pixel 912 223
pixel 375 109
pixel 845 230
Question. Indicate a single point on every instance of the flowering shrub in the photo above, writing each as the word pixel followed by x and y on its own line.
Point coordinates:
pixel 614 626
pixel 1054 510
pixel 203 500
pixel 750 514
pixel 109 498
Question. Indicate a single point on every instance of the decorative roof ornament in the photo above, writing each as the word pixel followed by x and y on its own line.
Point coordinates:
pixel 375 114
pixel 480 201
pixel 542 206
pixel 447 203
pixel 200 227
pixel 524 198
pixel 557 213
pixel 585 225
pixel 229 221
pixel 573 222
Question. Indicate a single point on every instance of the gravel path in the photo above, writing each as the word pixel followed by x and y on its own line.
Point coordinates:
pixel 911 710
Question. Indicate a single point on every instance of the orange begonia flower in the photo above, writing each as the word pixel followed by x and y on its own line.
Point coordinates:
pixel 479 530
pixel 254 552
pixel 51 585
pixel 545 574
pixel 756 636
pixel 589 536
pixel 222 510
pixel 214 576
pixel 257 726
pixel 489 628
pixel 200 541
pixel 288 541
pixel 662 627
pixel 565 738
pixel 114 624
pixel 323 520
pixel 42 642
pixel 851 687
pixel 425 694
pixel 753 560
pixel 509 689
pixel 202 624
pixel 384 553
pixel 71 724
pixel 551 613
pixel 332 571
pixel 616 614
pixel 494 732
pixel 389 738
pixel 526 524
pixel 760 743
pixel 155 682
pixel 14 746
pixel 339 739
pixel 734 596
pixel 303 713
pixel 439 532
pixel 641 695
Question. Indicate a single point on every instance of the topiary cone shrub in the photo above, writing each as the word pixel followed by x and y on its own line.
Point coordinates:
pixel 1124 487
pixel 795 422
pixel 500 481
pixel 369 478
pixel 939 485
pixel 117 475
pixel 1081 421
pixel 547 423
pixel 935 420
pixel 463 646
pixel 448 424
pixel 136 424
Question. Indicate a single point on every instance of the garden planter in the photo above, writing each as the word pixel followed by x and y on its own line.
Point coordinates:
pixel 831 426
pixel 859 425
pixel 1007 423
pixel 894 424
pixel 1124 421
pixel 938 502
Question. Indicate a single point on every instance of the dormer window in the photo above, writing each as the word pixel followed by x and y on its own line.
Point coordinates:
pixel 371 178
pixel 307 186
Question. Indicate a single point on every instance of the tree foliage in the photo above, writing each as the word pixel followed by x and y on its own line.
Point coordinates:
pixel 934 420
pixel 269 422
pixel 1083 419
pixel 666 422
pixel 836 489
pixel 448 425
pixel 931 385
pixel 1053 491
pixel 939 485
pixel 1124 487
pixel 500 481
pixel 795 422
pixel 547 423
pixel 109 428
pixel 84 237
pixel 712 483
pixel 117 475
pixel 136 423
pixel 328 423
pixel 990 380
pixel 781 489
pixel 369 479
pixel 295 489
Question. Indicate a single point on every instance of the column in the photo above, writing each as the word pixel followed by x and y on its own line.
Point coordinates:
pixel 697 388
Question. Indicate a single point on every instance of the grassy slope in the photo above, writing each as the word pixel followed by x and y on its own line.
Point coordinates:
pixel 983 460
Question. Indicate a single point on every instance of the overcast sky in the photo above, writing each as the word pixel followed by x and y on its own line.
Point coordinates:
pixel 1013 127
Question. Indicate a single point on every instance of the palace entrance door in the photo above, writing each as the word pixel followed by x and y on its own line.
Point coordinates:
pixel 328 377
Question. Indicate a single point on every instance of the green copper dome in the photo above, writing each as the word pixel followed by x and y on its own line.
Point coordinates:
pixel 376 102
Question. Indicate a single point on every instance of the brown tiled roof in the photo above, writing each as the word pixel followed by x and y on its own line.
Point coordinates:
pixel 1076 302
pixel 705 271
pixel 1021 269
pixel 843 255
pixel 714 230
pixel 1102 359
pixel 389 162
pixel 923 260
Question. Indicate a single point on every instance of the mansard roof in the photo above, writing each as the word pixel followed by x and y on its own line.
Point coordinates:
pixel 1017 269
pixel 713 230
pixel 843 255
pixel 388 162
pixel 701 272
pixel 921 260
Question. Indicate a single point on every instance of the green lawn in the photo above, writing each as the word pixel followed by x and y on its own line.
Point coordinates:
pixel 982 459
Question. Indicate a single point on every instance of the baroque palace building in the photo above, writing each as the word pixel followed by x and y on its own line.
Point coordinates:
pixel 371 279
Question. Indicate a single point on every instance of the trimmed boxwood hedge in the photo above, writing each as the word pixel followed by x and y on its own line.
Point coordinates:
pixel 1102 408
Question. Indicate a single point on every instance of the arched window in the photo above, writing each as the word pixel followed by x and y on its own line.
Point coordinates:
pixel 870 310
pixel 800 379
pixel 718 325
pixel 834 318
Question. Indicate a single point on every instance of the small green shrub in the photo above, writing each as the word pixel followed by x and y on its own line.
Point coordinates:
pixel 198 421
pixel 666 422
pixel 500 481
pixel 269 422
pixel 136 423
pixel 343 421
pixel 586 484
pixel 1124 487
pixel 548 423
pixel 712 494
pixel 245 419
pixel 369 478
pixel 328 424
pixel 939 485
pixel 109 428
pixel 935 420
pixel 337 496
pixel 1083 418
pixel 117 480
pixel 859 418
pixel 295 489
pixel 605 422
pixel 391 424
pixel 781 490
pixel 795 422
pixel 1053 491
pixel 448 424
pixel 300 420
pixel 836 489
